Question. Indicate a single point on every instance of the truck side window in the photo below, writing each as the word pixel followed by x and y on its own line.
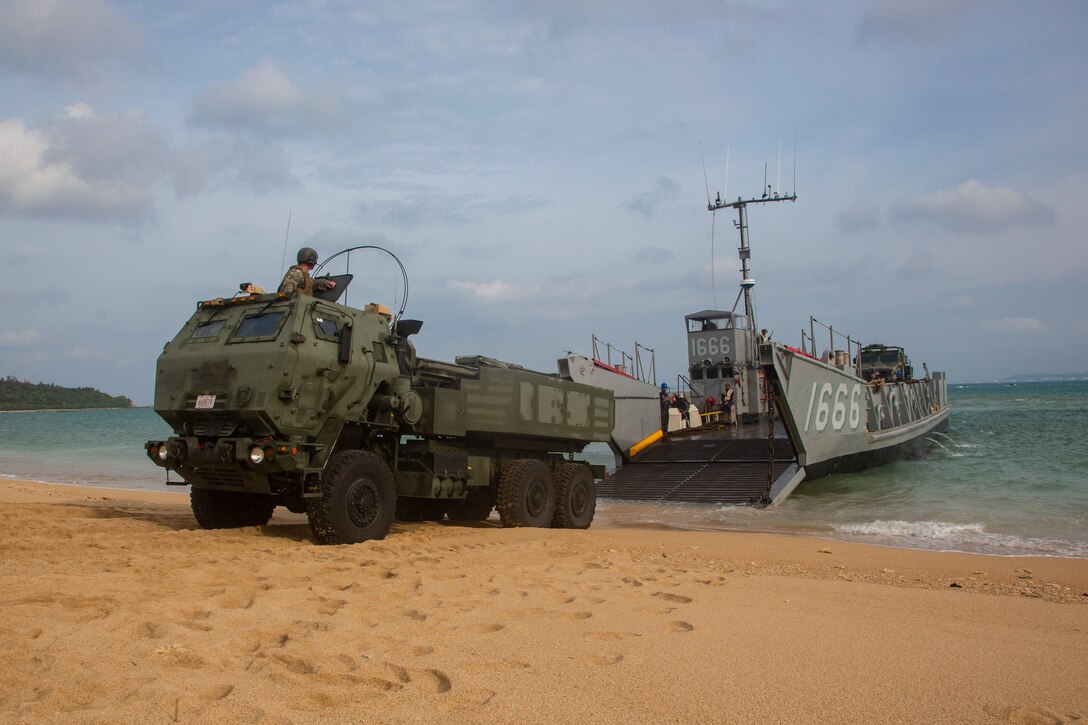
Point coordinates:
pixel 327 328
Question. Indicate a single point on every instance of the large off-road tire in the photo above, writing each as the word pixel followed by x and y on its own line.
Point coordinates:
pixel 410 508
pixel 358 499
pixel 526 494
pixel 476 506
pixel 576 496
pixel 230 509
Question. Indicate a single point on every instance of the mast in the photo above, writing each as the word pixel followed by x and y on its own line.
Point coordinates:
pixel 749 377
pixel 744 251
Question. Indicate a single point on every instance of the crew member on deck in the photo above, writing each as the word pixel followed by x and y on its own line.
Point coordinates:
pixel 728 409
pixel 664 399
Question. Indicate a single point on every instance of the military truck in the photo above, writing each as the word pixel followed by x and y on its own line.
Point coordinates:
pixel 302 402
pixel 888 362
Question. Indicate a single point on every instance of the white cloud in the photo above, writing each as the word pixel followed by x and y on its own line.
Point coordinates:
pixel 263 99
pixel 78 166
pixel 69 39
pixel 490 291
pixel 1015 325
pixel 974 207
pixel 19 339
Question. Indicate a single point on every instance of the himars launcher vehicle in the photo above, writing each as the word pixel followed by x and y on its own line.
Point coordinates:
pixel 302 402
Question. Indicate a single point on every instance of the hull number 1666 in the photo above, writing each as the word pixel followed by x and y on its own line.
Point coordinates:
pixel 833 406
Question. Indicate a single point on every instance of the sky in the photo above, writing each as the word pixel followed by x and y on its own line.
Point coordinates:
pixel 542 171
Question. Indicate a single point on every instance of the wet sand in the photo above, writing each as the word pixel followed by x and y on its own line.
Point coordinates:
pixel 117 608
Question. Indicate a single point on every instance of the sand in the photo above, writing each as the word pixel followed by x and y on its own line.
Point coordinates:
pixel 116 608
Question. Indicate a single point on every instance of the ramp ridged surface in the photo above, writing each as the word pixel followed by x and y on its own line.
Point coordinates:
pixel 701 470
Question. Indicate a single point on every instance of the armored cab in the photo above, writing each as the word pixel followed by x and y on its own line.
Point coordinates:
pixel 299 401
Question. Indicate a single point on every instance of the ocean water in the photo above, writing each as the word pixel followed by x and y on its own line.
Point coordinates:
pixel 1009 476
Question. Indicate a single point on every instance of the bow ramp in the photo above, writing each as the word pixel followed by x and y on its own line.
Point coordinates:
pixel 711 463
pixel 715 465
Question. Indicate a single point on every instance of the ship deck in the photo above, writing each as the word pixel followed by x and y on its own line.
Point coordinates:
pixel 715 464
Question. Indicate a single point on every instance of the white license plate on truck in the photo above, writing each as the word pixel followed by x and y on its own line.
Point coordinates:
pixel 205 402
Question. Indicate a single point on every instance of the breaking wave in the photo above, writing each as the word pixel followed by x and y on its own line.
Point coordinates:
pixel 970 538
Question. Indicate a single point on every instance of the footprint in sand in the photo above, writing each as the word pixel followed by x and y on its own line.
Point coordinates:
pixel 673 597
pixel 293 664
pixel 605 659
pixel 435 681
pixel 486 628
pixel 150 630
pixel 313 626
pixel 396 672
pixel 1030 715
pixel 218 692
pixel 610 636
pixel 657 610
pixel 236 602
pixel 579 615
pixel 329 606
pixel 416 615
pixel 412 650
pixel 475 697
pixel 679 626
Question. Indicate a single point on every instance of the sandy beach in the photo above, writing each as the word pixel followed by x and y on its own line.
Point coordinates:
pixel 118 609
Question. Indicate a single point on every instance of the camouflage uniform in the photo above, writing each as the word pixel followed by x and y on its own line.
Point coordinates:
pixel 299 280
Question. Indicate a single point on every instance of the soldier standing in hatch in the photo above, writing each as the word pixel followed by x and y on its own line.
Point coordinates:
pixel 298 278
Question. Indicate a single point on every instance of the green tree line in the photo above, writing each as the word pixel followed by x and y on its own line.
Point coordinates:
pixel 18 394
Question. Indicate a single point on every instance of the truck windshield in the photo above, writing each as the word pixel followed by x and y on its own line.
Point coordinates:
pixel 204 330
pixel 265 325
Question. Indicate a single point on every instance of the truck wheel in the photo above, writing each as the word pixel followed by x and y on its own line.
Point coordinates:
pixel 358 498
pixel 576 496
pixel 230 509
pixel 474 507
pixel 526 494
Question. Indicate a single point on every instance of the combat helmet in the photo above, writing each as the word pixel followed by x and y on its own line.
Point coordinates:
pixel 307 255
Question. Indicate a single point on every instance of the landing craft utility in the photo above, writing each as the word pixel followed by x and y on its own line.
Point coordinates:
pixel 298 401
pixel 764 416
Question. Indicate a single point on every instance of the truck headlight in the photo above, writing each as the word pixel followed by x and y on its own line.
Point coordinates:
pixel 256 455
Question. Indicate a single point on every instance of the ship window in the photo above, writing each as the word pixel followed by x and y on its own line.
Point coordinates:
pixel 712 373
pixel 696 373
pixel 260 327
pixel 208 329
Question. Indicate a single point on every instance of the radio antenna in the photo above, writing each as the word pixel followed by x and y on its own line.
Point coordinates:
pixel 726 191
pixel 778 181
pixel 706 182
pixel 283 259
pixel 713 284
pixel 795 162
